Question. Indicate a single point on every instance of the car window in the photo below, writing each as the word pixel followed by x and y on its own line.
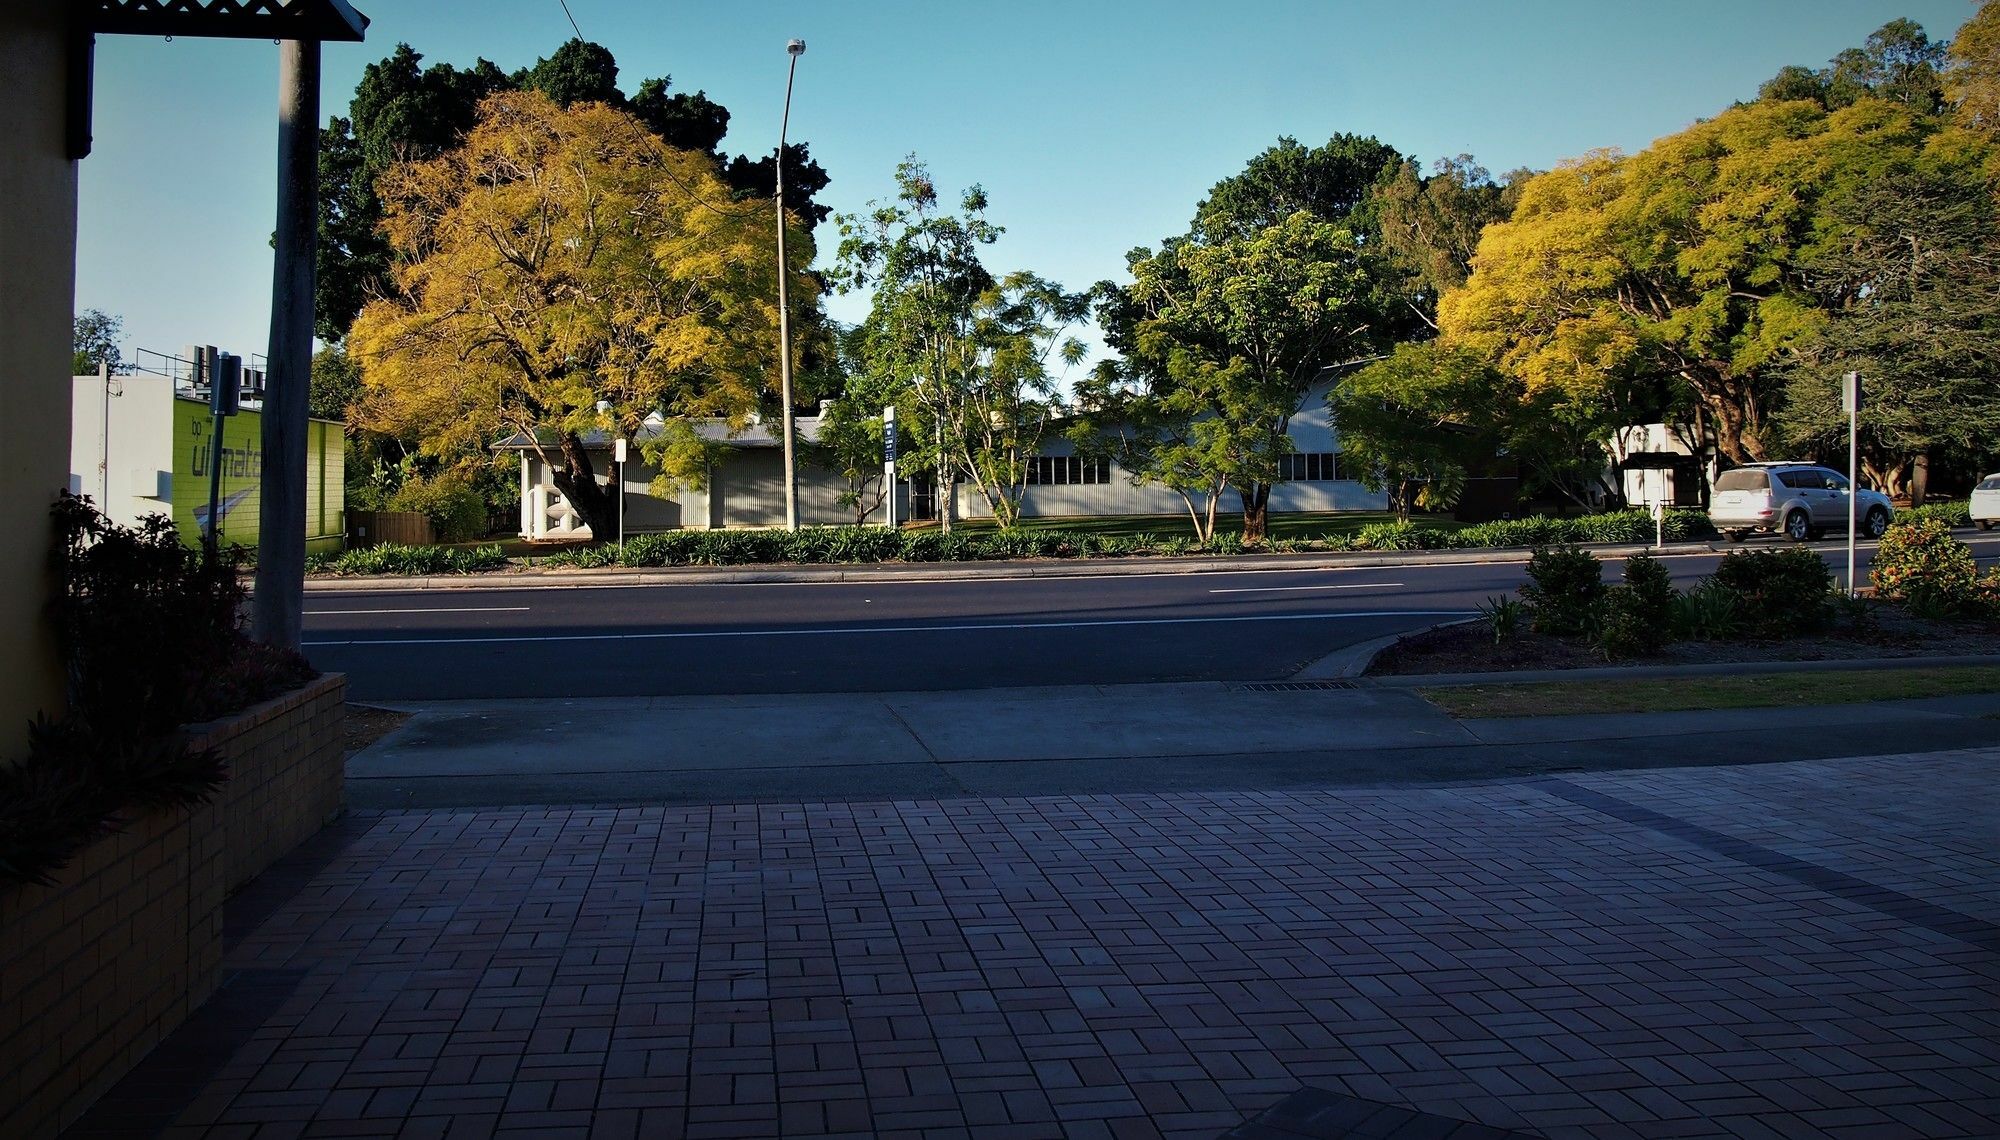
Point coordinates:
pixel 1992 484
pixel 1801 480
pixel 1834 480
pixel 1744 479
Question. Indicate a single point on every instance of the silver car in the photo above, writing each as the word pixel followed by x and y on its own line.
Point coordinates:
pixel 1799 500
pixel 1986 502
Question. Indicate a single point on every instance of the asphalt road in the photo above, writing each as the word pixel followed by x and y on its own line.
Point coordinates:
pixel 888 636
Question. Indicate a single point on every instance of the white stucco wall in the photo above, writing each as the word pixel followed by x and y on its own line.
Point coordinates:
pixel 121 447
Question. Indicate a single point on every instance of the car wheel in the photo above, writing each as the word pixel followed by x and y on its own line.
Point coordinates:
pixel 1985 524
pixel 1798 528
pixel 1736 535
pixel 1876 524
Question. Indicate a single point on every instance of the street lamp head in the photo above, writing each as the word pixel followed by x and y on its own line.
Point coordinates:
pixel 796 47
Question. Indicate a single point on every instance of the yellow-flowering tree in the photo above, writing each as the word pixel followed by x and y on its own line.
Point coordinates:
pixel 563 258
pixel 1689 263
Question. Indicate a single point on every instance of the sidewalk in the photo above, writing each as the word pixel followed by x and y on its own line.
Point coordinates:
pixel 1068 740
pixel 1774 950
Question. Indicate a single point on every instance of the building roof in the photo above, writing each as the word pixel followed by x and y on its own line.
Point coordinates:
pixel 753 436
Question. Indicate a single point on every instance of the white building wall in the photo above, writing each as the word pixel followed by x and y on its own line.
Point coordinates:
pixel 121 448
pixel 1311 431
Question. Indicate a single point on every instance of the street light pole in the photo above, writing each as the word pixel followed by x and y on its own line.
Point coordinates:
pixel 795 49
pixel 277 604
pixel 1850 398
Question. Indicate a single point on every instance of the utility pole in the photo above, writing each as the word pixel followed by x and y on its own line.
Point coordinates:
pixel 795 49
pixel 277 604
pixel 1850 400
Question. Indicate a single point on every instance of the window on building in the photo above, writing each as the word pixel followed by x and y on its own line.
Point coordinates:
pixel 1053 470
pixel 1308 467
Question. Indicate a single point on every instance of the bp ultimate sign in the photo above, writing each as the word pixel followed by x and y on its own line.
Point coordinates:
pixel 138 447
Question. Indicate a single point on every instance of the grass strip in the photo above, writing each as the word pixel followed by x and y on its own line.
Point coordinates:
pixel 1681 694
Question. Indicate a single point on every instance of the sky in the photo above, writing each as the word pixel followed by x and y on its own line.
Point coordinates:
pixel 1094 125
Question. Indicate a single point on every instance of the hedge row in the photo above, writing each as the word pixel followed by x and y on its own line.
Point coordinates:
pixel 846 545
pixel 824 545
pixel 1957 513
pixel 390 558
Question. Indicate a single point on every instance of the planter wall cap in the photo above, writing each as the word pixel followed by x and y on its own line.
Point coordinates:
pixel 210 733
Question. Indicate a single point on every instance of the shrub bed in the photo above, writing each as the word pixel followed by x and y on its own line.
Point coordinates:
pixel 1921 565
pixel 1953 514
pixel 849 545
pixel 151 638
pixel 390 558
pixel 1765 593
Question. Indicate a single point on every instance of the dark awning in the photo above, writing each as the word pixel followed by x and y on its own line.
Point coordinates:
pixel 230 19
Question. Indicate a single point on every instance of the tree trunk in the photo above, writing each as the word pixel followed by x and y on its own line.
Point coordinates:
pixel 1402 492
pixel 1194 516
pixel 577 480
pixel 1920 478
pixel 1256 512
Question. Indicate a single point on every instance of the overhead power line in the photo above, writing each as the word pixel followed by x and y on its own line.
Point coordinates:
pixel 572 18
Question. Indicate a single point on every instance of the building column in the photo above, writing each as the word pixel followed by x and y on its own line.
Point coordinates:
pixel 37 287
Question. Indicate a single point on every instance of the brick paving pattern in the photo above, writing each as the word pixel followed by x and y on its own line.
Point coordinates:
pixel 1781 950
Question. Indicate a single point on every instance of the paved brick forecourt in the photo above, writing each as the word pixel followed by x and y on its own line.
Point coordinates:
pixel 1797 949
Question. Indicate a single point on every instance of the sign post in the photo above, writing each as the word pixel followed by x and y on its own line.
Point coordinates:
pixel 889 462
pixel 1850 402
pixel 224 373
pixel 618 476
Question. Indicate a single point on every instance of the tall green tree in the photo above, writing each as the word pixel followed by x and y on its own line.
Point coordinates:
pixel 403 111
pixel 970 354
pixel 1430 226
pixel 1918 269
pixel 1683 265
pixel 1332 182
pixel 1899 63
pixel 1229 336
pixel 94 337
pixel 559 260
pixel 1972 75
pixel 1224 330
pixel 1414 424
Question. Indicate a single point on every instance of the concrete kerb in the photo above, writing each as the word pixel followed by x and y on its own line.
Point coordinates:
pixel 1350 662
pixel 1643 672
pixel 971 571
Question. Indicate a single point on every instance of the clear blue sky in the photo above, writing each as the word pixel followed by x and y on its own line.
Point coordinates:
pixel 1095 126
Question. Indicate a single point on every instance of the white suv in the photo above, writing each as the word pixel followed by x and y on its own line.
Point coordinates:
pixel 1798 500
pixel 1986 502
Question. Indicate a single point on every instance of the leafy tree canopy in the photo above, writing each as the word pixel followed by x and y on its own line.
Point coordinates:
pixel 559 260
pixel 1331 182
pixel 1972 76
pixel 966 354
pixel 94 337
pixel 403 111
pixel 1430 226
pixel 1919 267
pixel 1685 263
pixel 1899 63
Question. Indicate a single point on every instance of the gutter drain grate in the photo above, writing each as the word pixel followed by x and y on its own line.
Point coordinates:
pixel 1298 686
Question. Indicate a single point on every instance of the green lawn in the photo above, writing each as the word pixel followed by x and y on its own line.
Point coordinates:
pixel 1679 694
pixel 1282 526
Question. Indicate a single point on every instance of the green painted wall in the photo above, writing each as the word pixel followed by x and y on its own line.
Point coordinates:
pixel 243 467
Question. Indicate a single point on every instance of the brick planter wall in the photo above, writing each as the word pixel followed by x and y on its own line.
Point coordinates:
pixel 285 773
pixel 98 967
